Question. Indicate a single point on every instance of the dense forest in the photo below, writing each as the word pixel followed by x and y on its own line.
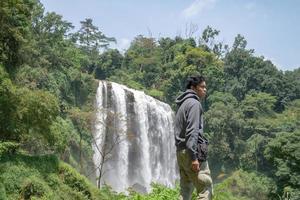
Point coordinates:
pixel 48 81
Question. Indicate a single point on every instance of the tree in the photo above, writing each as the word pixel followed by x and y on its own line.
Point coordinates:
pixel 82 121
pixel 258 104
pixel 225 98
pixel 167 49
pixel 224 128
pixel 8 107
pixel 26 116
pixel 284 153
pixel 109 140
pixel 91 40
pixel 15 18
pixel 292 84
pixel 36 112
pixel 208 43
pixel 143 59
pixel 109 62
pixel 236 58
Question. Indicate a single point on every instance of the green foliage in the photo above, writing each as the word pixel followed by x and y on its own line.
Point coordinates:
pixel 42 177
pixel 258 104
pixel 74 180
pixel 90 38
pixel 8 148
pixel 143 58
pixel 2 192
pixel 156 94
pixel 289 120
pixel 47 90
pixel 15 18
pixel 33 78
pixel 33 187
pixel 37 109
pixel 109 62
pixel 284 152
pixel 225 98
pixel 158 192
pixel 62 131
pixel 8 104
pixel 41 79
pixel 244 185
pixel 292 84
pixel 253 157
pixel 27 113
pixel 125 78
pixel 208 42
pixel 225 124
pixel 106 193
pixel 246 72
pixel 48 47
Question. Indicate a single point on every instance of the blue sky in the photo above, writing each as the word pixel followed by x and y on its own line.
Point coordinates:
pixel 271 27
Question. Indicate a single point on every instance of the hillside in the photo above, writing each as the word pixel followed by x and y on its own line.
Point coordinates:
pixel 42 177
pixel 46 177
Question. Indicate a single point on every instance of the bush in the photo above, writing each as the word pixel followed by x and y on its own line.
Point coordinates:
pixel 2 192
pixel 71 178
pixel 156 94
pixel 244 185
pixel 33 186
pixel 42 177
pixel 8 147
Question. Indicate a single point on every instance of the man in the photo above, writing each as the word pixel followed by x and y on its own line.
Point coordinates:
pixel 193 167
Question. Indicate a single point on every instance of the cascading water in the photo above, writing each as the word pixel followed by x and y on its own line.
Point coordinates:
pixel 134 141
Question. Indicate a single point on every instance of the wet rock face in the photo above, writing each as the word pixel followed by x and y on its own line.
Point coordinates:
pixel 137 131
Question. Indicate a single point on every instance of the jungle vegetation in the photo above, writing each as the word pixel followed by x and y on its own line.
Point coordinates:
pixel 48 81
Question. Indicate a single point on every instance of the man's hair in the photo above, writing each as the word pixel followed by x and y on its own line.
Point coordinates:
pixel 194 81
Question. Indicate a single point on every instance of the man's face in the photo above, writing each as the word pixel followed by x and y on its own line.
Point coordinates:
pixel 200 89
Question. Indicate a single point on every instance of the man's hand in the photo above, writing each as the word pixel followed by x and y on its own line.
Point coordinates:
pixel 195 165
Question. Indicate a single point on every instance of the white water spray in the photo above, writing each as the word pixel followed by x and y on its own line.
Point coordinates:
pixel 138 130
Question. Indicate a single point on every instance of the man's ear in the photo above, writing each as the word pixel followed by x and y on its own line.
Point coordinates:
pixel 193 87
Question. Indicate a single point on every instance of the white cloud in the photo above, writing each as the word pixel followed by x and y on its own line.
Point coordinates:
pixel 197 7
pixel 122 44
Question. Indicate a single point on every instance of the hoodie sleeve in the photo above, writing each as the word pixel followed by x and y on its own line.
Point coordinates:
pixel 193 120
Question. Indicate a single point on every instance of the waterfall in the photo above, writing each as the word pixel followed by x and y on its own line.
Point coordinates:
pixel 133 139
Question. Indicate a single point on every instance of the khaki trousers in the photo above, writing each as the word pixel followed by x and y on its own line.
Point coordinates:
pixel 189 179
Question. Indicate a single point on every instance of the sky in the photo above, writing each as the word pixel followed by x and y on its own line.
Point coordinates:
pixel 271 27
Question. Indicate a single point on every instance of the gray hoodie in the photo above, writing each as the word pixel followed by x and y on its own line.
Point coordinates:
pixel 189 123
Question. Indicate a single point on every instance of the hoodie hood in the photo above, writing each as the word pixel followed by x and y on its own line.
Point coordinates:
pixel 186 95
